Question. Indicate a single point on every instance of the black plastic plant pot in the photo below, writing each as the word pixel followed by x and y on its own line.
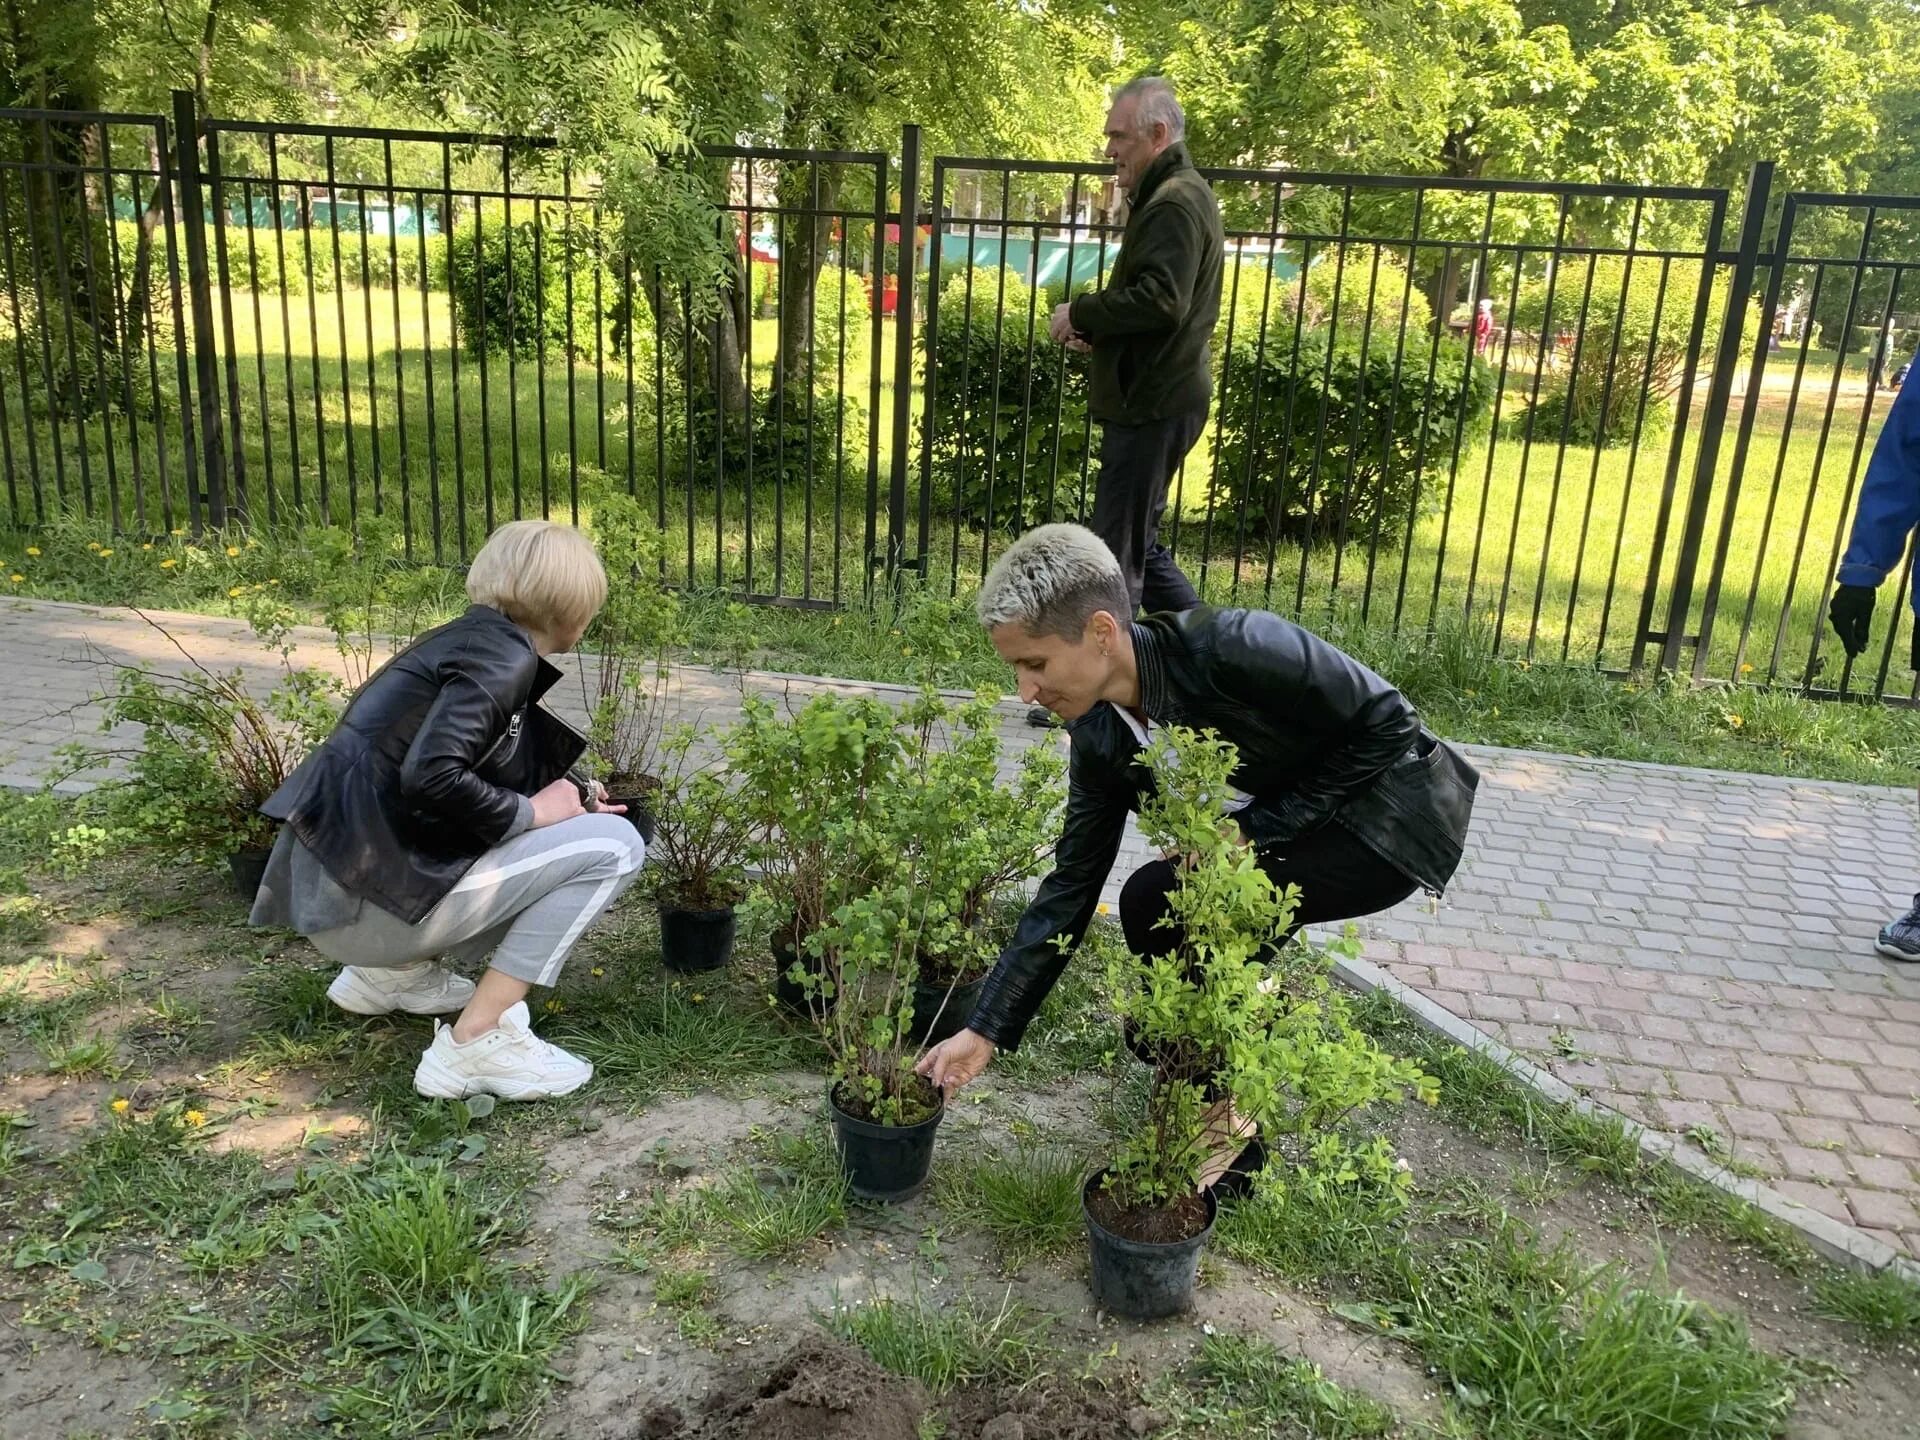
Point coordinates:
pixel 695 940
pixel 640 812
pixel 249 868
pixel 883 1162
pixel 1139 1279
pixel 931 1022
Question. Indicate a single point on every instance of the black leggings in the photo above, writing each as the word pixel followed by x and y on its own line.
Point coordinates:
pixel 1338 876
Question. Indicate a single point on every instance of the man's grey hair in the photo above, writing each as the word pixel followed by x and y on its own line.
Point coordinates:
pixel 1157 106
pixel 1052 581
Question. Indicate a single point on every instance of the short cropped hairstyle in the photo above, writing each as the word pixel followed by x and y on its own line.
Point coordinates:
pixel 540 575
pixel 1157 106
pixel 1052 581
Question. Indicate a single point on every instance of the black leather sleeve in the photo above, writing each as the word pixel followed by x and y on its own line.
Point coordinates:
pixel 476 702
pixel 1098 799
pixel 1272 665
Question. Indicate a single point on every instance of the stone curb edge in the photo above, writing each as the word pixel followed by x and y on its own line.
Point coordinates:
pixel 1840 1243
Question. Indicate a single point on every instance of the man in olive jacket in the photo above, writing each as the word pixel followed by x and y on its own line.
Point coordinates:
pixel 1148 332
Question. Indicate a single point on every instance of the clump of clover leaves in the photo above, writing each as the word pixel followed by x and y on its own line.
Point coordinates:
pixel 1231 1013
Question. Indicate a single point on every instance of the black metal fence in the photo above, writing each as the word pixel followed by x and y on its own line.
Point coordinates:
pixel 1487 406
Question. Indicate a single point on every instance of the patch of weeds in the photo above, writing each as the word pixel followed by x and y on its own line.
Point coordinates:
pixel 1027 1199
pixel 802 1195
pixel 686 1294
pixel 1533 1186
pixel 945 1346
pixel 23 920
pixel 1534 1343
pixel 672 1042
pixel 1245 1386
pixel 76 1056
pixel 1883 1304
pixel 1302 1233
pixel 395 1319
pixel 290 999
pixel 1688 1204
pixel 15 1151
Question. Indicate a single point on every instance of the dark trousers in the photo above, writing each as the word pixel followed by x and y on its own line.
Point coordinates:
pixel 1137 463
pixel 1338 876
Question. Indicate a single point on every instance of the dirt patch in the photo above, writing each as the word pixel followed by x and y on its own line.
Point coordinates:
pixel 51 1385
pixel 1049 1411
pixel 821 1391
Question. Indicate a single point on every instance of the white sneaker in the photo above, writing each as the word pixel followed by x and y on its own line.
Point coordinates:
pixel 509 1061
pixel 419 989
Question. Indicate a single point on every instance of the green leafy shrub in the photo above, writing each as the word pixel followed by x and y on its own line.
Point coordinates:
pixel 1324 438
pixel 1010 434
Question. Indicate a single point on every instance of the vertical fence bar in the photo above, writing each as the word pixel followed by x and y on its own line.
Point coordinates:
pixel 511 324
pixel 1693 523
pixel 1752 228
pixel 236 450
pixel 186 123
pixel 1560 455
pixel 65 280
pixel 259 353
pixel 1633 458
pixel 340 314
pixel 572 343
pixel 399 348
pixel 373 379
pixel 426 370
pixel 102 390
pixel 903 351
pixel 20 352
pixel 189 448
pixel 448 217
pixel 286 321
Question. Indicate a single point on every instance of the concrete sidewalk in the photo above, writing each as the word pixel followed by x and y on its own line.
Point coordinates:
pixel 1694 949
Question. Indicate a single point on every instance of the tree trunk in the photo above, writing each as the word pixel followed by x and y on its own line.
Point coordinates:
pixel 1457 160
pixel 803 257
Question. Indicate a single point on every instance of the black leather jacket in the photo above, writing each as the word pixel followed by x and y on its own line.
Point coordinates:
pixel 426 770
pixel 1321 739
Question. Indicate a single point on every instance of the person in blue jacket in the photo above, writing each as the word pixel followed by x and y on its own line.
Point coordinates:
pixel 1889 510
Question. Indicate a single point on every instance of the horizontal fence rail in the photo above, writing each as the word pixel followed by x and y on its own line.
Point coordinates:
pixel 1591 423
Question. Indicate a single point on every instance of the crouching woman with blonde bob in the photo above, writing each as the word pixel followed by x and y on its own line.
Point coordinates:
pixel 439 821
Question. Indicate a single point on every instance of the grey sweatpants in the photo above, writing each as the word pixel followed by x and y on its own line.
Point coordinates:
pixel 525 903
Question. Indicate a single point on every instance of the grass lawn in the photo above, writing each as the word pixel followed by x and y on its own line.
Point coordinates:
pixel 224 1212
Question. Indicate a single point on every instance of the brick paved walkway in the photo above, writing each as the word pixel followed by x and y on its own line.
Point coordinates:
pixel 1693 948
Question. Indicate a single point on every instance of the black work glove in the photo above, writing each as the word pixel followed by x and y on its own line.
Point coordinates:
pixel 1851 614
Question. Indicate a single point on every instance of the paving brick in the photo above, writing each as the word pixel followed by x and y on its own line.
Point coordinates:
pixel 1817 1165
pixel 1888 1140
pixel 1816 1197
pixel 1750 1124
pixel 1882 1173
pixel 1886 1110
pixel 1883 1209
pixel 1690 1086
pixel 1820 1131
pixel 1834 1077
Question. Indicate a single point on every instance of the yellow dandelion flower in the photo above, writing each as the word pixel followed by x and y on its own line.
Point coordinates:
pixel 597 970
pixel 836 619
pixel 147 546
pixel 1746 666
pixel 195 1118
pixel 273 582
pixel 33 550
pixel 168 563
pixel 697 997
pixel 93 544
pixel 232 550
pixel 906 649
pixel 119 1107
pixel 105 553
pixel 1734 722
pixel 236 592
pixel 16 578
pixel 554 1007
pixel 252 544
pixel 179 532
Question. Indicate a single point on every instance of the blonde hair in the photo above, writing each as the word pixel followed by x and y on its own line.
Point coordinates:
pixel 539 574
pixel 1052 581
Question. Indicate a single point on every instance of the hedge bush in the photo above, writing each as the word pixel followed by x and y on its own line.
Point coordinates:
pixel 997 447
pixel 1322 448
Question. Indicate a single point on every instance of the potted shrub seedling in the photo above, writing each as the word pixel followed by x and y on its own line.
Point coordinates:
pixel 698 862
pixel 626 698
pixel 969 839
pixel 209 755
pixel 1243 1032
pixel 810 783
pixel 884 1115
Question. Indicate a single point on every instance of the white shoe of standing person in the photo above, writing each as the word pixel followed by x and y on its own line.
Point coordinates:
pixel 509 1061
pixel 422 988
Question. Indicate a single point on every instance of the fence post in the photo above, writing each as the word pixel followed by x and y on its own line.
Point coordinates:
pixel 1713 422
pixel 193 215
pixel 236 453
pixel 1759 193
pixel 903 355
